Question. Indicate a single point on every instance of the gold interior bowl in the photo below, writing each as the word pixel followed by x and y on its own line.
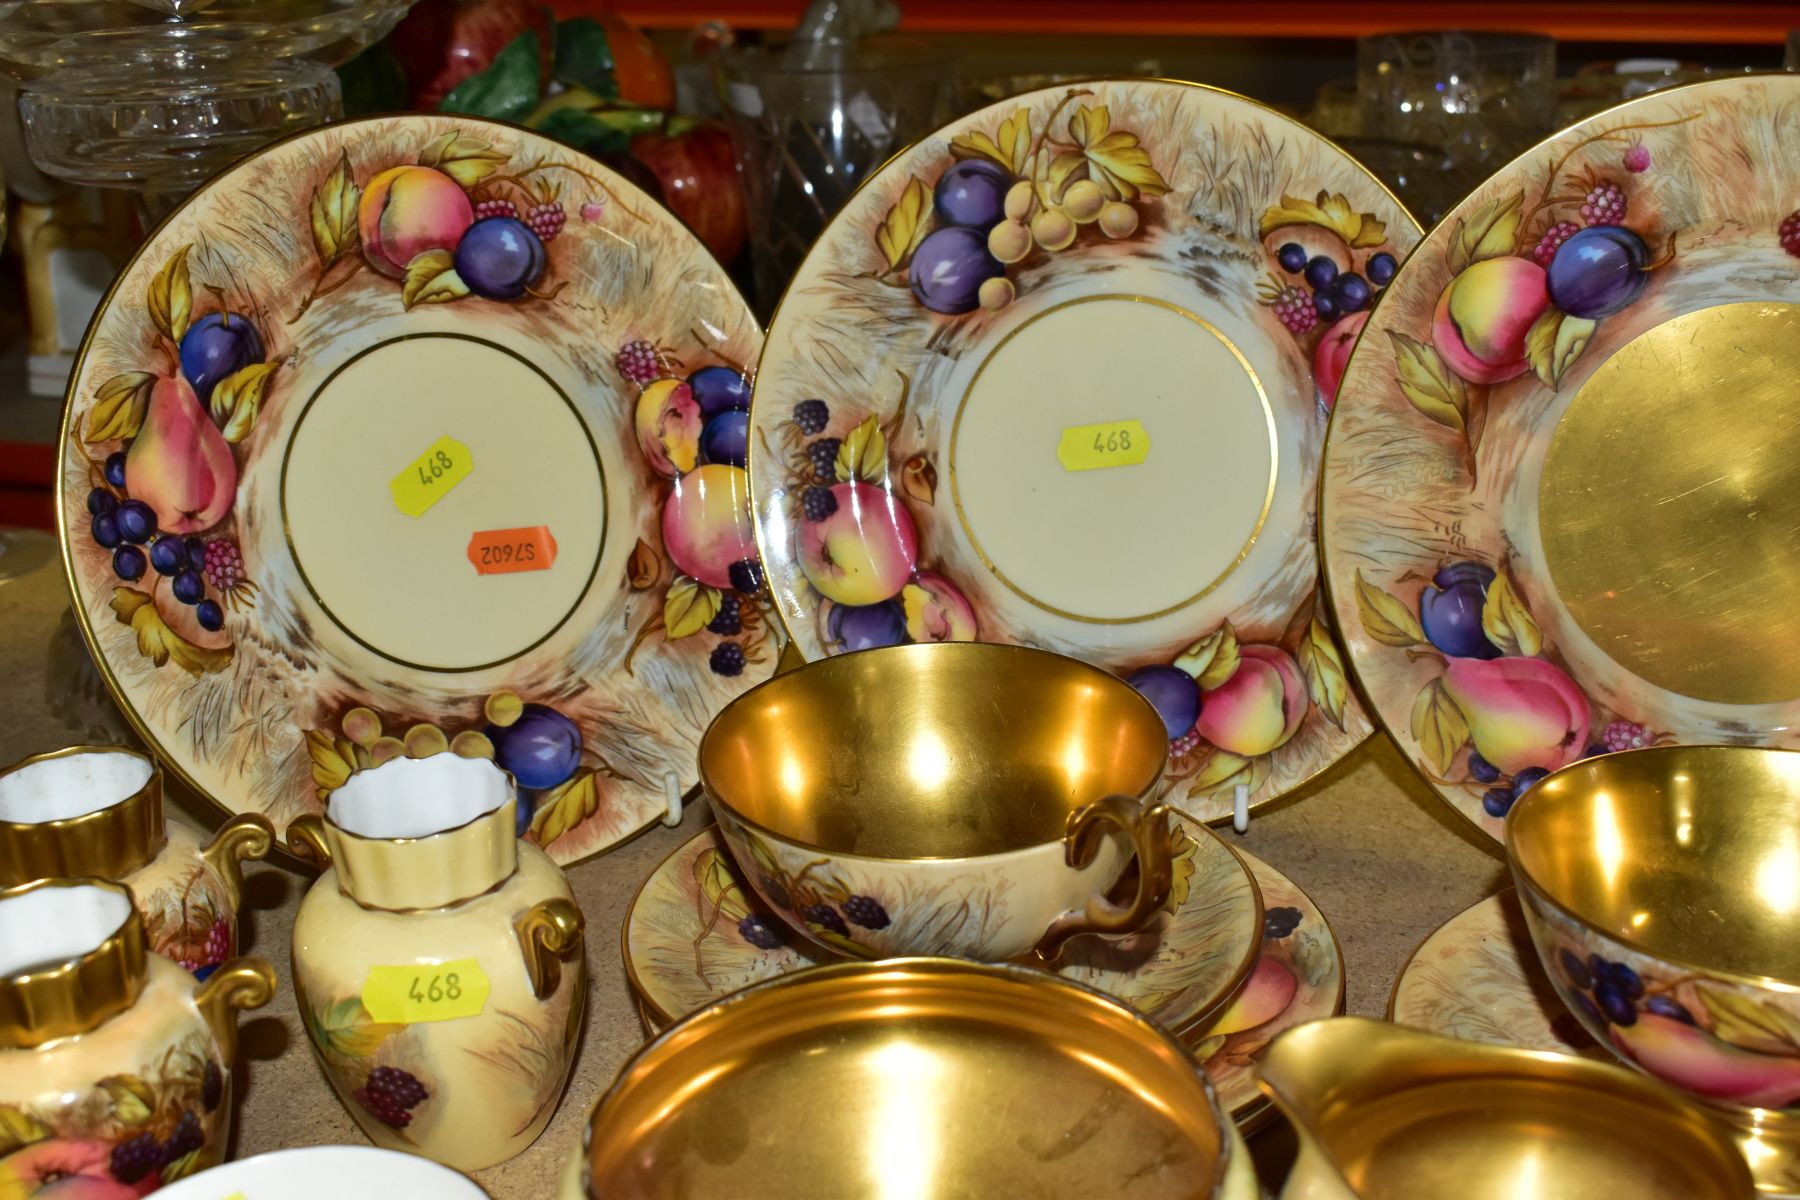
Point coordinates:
pixel 1388 1113
pixel 1662 890
pixel 919 1078
pixel 962 798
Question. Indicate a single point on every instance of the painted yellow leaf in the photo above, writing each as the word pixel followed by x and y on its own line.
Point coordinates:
pixel 1428 384
pixel 119 407
pixel 345 1030
pixel 918 479
pixel 688 607
pixel 863 455
pixel 1507 622
pixel 1491 231
pixel 1331 210
pixel 160 644
pixel 1115 160
pixel 431 278
pixel 237 399
pixel 1322 663
pixel 1009 148
pixel 1181 861
pixel 906 223
pixel 133 1102
pixel 1439 726
pixel 330 770
pixel 333 213
pixel 18 1128
pixel 1213 659
pixel 719 885
pixel 643 568
pixel 1555 341
pixel 1219 766
pixel 171 298
pixel 1385 618
pixel 465 159
pixel 1751 1023
pixel 565 807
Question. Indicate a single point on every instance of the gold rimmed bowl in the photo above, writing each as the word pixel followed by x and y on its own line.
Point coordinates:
pixel 923 1078
pixel 966 799
pixel 1662 891
pixel 1386 1113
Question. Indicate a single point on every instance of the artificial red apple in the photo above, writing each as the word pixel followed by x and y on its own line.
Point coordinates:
pixel 443 42
pixel 698 173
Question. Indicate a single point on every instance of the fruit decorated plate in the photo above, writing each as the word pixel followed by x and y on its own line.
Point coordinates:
pixel 1561 494
pixel 415 435
pixel 1058 375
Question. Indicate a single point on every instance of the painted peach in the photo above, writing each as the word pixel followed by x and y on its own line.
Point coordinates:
pixel 1692 1058
pixel 179 463
pixel 66 1169
pixel 1266 995
pixel 937 611
pixel 668 427
pixel 865 551
pixel 706 523
pixel 406 211
pixel 1259 708
pixel 1522 712
pixel 1333 355
pixel 1483 316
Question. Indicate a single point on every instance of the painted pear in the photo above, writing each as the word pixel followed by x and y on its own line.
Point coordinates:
pixel 179 463
pixel 1692 1058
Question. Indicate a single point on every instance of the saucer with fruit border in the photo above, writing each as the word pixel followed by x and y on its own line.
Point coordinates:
pixel 1560 490
pixel 694 933
pixel 416 435
pixel 1058 375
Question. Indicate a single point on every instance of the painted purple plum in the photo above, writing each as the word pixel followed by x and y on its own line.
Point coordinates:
pixel 865 551
pixel 726 438
pixel 668 425
pixel 972 193
pixel 542 748
pixel 1450 610
pixel 1483 316
pixel 500 258
pixel 408 210
pixel 865 626
pixel 1259 708
pixel 949 268
pixel 216 346
pixel 1174 695
pixel 1599 271
pixel 706 523
pixel 719 389
pixel 1689 1057
pixel 1522 712
pixel 937 611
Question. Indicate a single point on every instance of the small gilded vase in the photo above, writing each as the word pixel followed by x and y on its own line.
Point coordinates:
pixel 438 960
pixel 115 1066
pixel 98 811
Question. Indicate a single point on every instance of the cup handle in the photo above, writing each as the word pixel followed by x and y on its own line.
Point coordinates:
pixel 247 836
pixel 549 931
pixel 306 841
pixel 1148 826
pixel 239 984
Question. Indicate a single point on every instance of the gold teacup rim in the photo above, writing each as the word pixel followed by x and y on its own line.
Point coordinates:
pixel 43 756
pixel 940 649
pixel 1533 889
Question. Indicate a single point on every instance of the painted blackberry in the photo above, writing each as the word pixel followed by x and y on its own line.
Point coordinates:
pixel 187 1138
pixel 223 565
pixel 496 208
pixel 727 659
pixel 776 892
pixel 812 416
pixel 747 576
pixel 760 932
pixel 818 503
pixel 1790 233
pixel 639 362
pixel 546 220
pixel 826 917
pixel 1605 205
pixel 824 454
pixel 1294 307
pixel 212 1086
pixel 1552 241
pixel 1279 922
pixel 730 619
pixel 866 911
pixel 133 1160
pixel 390 1095
pixel 1637 158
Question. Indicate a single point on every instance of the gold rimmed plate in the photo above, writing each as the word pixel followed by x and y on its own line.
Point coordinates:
pixel 1058 375
pixel 1560 497
pixel 417 435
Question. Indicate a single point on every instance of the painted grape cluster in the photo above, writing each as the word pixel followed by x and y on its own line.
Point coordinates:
pixel 1009 196
pixel 694 430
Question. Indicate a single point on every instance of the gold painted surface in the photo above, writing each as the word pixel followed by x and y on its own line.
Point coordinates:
pixel 108 843
pixel 70 998
pixel 1670 505
pixel 1689 854
pixel 921 1078
pixel 931 751
pixel 1395 1114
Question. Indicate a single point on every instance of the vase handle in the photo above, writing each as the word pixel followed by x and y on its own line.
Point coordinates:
pixel 246 836
pixel 241 983
pixel 306 841
pixel 549 932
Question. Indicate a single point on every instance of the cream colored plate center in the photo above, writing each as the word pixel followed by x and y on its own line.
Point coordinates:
pixel 404 586
pixel 1123 543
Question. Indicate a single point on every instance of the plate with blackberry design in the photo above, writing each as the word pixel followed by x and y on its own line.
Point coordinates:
pixel 1561 493
pixel 419 435
pixel 1058 375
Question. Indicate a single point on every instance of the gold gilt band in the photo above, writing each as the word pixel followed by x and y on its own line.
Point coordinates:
pixel 109 843
pixel 64 999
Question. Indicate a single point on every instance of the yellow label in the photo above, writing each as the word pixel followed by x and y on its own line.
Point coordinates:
pixel 1092 447
pixel 425 992
pixel 429 477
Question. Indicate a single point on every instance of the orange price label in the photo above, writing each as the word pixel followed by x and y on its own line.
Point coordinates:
pixel 505 551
